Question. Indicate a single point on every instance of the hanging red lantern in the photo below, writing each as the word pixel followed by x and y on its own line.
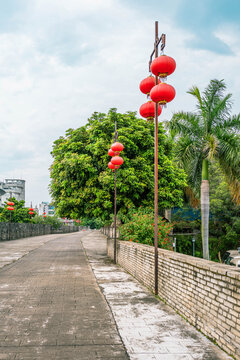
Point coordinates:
pixel 147 110
pixel 162 93
pixel 117 148
pixel 10 208
pixel 111 166
pixel 147 84
pixel 111 152
pixel 10 203
pixel 163 66
pixel 30 209
pixel 117 161
pixel 31 212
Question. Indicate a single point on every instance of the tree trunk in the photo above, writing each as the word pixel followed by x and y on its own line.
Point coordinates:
pixel 205 210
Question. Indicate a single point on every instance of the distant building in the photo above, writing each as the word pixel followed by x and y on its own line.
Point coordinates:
pixel 47 208
pixel 12 188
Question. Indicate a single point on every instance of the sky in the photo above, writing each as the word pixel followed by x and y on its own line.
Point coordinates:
pixel 61 60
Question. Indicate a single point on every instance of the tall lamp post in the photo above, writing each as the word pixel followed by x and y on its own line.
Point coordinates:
pixel 160 94
pixel 114 164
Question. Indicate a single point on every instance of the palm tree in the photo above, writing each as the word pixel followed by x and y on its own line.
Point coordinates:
pixel 205 135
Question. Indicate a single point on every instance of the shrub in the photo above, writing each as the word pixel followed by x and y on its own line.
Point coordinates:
pixel 54 221
pixel 139 227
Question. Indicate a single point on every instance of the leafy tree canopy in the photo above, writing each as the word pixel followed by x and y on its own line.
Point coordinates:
pixel 83 186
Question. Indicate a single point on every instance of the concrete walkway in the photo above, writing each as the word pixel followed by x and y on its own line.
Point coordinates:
pixel 52 306
pixel 149 328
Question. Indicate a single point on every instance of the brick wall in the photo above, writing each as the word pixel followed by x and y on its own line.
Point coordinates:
pixel 207 294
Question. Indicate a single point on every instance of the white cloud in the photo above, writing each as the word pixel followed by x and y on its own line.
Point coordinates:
pixel 70 58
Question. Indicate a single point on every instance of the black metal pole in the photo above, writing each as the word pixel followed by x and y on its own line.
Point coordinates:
pixel 156 175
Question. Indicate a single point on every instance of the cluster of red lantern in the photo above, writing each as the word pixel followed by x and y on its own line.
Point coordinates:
pixel 116 160
pixel 31 212
pixel 161 93
pixel 10 205
pixel 44 214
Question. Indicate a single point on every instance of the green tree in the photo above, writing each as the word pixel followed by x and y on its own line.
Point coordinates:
pixel 19 214
pixel 206 135
pixel 82 186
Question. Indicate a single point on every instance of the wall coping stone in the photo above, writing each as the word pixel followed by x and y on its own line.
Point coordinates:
pixel 222 269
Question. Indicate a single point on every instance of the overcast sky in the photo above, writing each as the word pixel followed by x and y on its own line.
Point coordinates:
pixel 61 60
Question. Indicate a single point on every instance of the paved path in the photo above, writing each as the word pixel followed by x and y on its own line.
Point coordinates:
pixel 50 304
pixel 149 329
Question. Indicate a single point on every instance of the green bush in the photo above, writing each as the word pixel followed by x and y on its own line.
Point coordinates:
pixel 139 227
pixel 54 221
pixel 93 223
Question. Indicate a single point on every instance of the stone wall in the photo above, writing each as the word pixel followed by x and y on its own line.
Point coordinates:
pixel 207 294
pixel 12 231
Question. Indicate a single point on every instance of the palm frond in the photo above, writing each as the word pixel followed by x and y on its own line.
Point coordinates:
pixel 232 176
pixel 196 93
pixel 228 147
pixel 214 102
pixel 211 146
pixel 220 112
pixel 213 92
pixel 185 124
pixel 186 149
pixel 232 124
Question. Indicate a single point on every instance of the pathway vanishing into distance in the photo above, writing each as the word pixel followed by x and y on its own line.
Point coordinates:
pixel 50 304
pixel 62 298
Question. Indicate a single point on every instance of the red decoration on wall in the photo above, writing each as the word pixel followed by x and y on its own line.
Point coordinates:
pixel 162 93
pixel 163 66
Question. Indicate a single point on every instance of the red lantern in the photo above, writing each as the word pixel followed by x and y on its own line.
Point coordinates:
pixel 30 209
pixel 111 152
pixel 10 203
pixel 147 110
pixel 117 147
pixel 117 161
pixel 162 93
pixel 111 166
pixel 147 84
pixel 10 208
pixel 163 66
pixel 31 212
